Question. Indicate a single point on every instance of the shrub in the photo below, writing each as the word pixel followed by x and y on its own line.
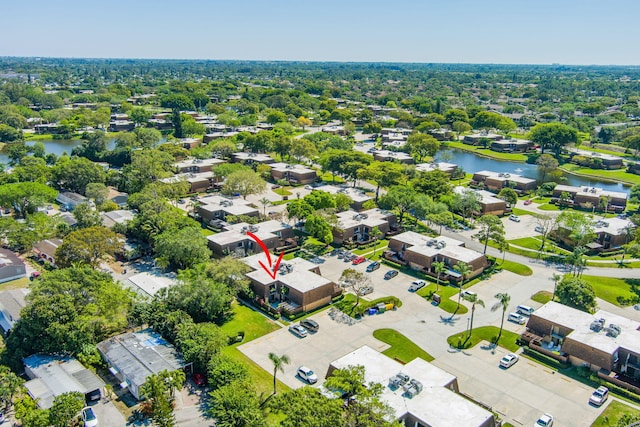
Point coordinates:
pixel 547 360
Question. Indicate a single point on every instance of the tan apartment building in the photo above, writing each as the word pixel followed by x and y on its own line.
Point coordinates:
pixel 235 241
pixel 489 203
pixel 216 207
pixel 356 226
pixel 589 197
pixel 293 173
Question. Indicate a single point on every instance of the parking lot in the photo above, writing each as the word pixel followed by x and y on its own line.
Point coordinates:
pixel 520 394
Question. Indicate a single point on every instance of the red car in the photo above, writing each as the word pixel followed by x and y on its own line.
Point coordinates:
pixel 528 202
pixel 358 260
pixel 198 379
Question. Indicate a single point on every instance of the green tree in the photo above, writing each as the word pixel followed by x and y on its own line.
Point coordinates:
pixel 88 246
pixel 10 385
pixel 199 343
pixel 278 365
pixel 375 234
pixel 491 229
pixel 65 408
pixel 182 248
pixel 307 407
pixel 159 392
pixel 244 182
pixel 577 293
pixel 299 210
pixel 384 174
pixel 474 300
pixel 74 174
pixel 460 127
pixel 147 165
pixel 503 303
pixel 546 164
pixel 553 136
pixel 303 149
pixel 400 198
pixel 439 267
pixel 319 227
pixel 26 197
pixel 86 216
pixel 236 405
pixel 357 281
pixel 139 115
pixel 509 195
pixel 224 370
pixel 97 191
pixel 421 145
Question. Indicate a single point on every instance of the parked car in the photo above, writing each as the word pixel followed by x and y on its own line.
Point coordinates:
pixel 538 229
pixel 599 396
pixel 528 202
pixel 89 417
pixel 390 274
pixel 317 260
pixel 416 284
pixel 468 294
pixel 310 325
pixel 307 375
pixel 515 218
pixel 298 331
pixel 366 290
pixel 516 318
pixel 373 266
pixel 358 260
pixel 198 379
pixel 508 360
pixel 348 257
pixel 545 420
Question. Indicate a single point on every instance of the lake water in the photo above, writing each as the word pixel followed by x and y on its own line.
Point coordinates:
pixel 58 146
pixel 472 163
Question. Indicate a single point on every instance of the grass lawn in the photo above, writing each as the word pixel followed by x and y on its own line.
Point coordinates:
pixel 486 333
pixel 542 297
pixel 282 191
pixel 613 412
pixel 549 207
pixel 612 175
pixel 516 267
pixel 206 232
pixel 380 247
pixel 15 284
pixel 485 152
pixel 260 379
pixel 520 212
pixel 330 179
pixel 253 323
pixel 634 264
pixel 447 303
pixel 402 348
pixel 609 288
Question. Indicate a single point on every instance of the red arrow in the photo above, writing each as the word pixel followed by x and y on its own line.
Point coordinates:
pixel 273 273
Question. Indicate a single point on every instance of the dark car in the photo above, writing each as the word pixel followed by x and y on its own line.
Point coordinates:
pixel 310 325
pixel 373 266
pixel 198 379
pixel 390 274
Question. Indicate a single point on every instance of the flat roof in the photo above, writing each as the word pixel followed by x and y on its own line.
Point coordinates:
pixel 119 216
pixel 56 375
pixel 486 197
pixel 231 206
pixel 141 354
pixel 453 249
pixel 151 282
pixel 505 176
pixel 370 218
pixel 399 155
pixel 197 162
pixel 299 278
pixel 258 157
pixel 354 194
pixel 590 191
pixel 234 233
pixel 614 226
pixel 435 405
pixel 592 154
pixel 430 167
pixel 580 322
pixel 287 167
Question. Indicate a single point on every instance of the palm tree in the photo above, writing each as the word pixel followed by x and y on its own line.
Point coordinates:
pixel 473 299
pixel 503 302
pixel 439 267
pixel 278 365
pixel 464 269
pixel 503 246
pixel 376 234
pixel 264 202
pixel 555 277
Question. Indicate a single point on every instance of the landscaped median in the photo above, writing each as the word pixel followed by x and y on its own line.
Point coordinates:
pixel 402 348
pixel 484 333
pixel 615 412
pixel 445 292
pixel 621 292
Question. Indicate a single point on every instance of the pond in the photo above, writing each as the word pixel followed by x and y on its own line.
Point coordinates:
pixel 472 163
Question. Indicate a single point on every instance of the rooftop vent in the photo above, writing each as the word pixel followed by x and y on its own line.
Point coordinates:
pixel 254 228
pixel 244 229
pixel 613 330
pixel 285 268
pixel 398 380
pixel 597 325
pixel 432 242
pixel 413 388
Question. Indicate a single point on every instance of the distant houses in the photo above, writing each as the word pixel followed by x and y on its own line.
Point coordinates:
pixel 11 266
pixel 235 241
pixel 489 203
pixel 590 198
pixel 496 181
pixel 355 227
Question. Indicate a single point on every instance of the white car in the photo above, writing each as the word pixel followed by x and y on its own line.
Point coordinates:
pixel 307 375
pixel 599 396
pixel 515 218
pixel 298 330
pixel 416 284
pixel 516 318
pixel 89 417
pixel 468 294
pixel 545 420
pixel 508 360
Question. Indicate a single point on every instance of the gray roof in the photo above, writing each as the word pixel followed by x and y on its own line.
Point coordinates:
pixel 11 266
pixel 52 376
pixel 140 354
pixel 11 304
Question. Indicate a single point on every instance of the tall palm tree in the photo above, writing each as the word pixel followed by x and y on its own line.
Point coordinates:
pixel 503 302
pixel 463 269
pixel 264 202
pixel 278 365
pixel 473 299
pixel 376 234
pixel 439 267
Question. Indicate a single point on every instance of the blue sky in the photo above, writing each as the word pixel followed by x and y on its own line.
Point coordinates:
pixel 467 31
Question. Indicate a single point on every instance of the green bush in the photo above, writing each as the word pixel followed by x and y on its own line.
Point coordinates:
pixel 543 358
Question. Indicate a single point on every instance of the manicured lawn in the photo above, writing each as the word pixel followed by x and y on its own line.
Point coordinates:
pixel 611 175
pixel 542 297
pixel 634 264
pixel 549 207
pixel 609 288
pixel 380 247
pixel 449 297
pixel 402 348
pixel 282 191
pixel 15 284
pixel 253 323
pixel 516 267
pixel 485 152
pixel 520 212
pixel 260 379
pixel 486 333
pixel 613 412
pixel 206 232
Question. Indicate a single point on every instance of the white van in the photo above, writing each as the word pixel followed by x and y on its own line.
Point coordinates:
pixel 525 309
pixel 515 317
